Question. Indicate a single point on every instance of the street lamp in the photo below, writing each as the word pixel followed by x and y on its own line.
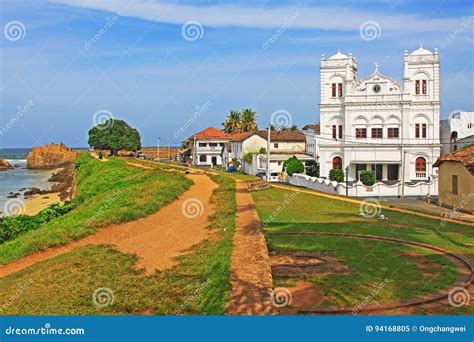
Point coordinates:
pixel 347 181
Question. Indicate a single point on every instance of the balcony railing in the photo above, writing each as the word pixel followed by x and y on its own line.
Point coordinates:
pixel 420 175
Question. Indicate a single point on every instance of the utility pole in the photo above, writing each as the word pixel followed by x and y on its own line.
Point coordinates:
pixel 268 154
pixel 158 150
pixel 169 150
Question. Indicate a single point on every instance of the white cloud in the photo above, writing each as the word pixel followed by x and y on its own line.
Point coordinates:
pixel 311 17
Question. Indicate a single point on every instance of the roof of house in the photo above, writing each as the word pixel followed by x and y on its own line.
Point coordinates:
pixel 314 127
pixel 210 133
pixel 241 136
pixel 281 136
pixel 464 156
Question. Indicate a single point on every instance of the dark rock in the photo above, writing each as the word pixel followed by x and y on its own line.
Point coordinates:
pixel 12 196
pixel 16 165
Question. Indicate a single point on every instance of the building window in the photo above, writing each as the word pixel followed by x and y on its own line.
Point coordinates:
pixel 417 87
pixel 333 88
pixel 423 130
pixel 202 144
pixel 361 133
pixel 334 131
pixel 455 185
pixel 420 164
pixel 392 132
pixel 336 89
pixel 275 145
pixel 423 87
pixel 203 158
pixel 339 89
pixel 213 144
pixel 377 133
pixel 417 130
pixel 340 131
pixel 337 163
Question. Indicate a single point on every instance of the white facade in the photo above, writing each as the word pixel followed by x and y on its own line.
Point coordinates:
pixel 457 131
pixel 377 123
pixel 208 152
pixel 259 164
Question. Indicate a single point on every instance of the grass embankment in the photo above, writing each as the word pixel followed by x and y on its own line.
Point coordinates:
pixel 198 284
pixel 107 192
pixel 410 271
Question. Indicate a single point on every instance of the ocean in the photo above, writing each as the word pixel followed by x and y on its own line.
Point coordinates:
pixel 11 181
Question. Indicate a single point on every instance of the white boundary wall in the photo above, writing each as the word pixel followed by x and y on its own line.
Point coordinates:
pixel 360 190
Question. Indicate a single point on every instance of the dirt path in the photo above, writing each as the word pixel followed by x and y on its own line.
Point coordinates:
pixel 156 239
pixel 355 201
pixel 251 277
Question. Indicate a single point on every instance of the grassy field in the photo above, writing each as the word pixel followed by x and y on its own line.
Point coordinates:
pixel 198 284
pixel 410 271
pixel 107 192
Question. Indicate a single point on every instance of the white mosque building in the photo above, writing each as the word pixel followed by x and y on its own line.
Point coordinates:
pixel 377 123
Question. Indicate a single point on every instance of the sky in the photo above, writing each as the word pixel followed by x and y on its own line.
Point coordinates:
pixel 173 68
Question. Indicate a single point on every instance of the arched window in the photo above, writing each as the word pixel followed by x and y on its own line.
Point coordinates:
pixel 337 163
pixel 420 164
pixel 203 158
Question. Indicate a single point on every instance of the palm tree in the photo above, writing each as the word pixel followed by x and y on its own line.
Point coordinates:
pixel 232 122
pixel 248 120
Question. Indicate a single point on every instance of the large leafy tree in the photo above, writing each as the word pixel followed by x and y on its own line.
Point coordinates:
pixel 232 122
pixel 248 120
pixel 114 135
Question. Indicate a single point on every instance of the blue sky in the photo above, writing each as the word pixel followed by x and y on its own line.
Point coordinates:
pixel 140 67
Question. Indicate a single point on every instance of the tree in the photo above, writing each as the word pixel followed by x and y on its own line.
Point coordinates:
pixel 293 165
pixel 232 123
pixel 292 128
pixel 248 120
pixel 336 175
pixel 262 150
pixel 114 135
pixel 248 157
pixel 367 177
pixel 312 168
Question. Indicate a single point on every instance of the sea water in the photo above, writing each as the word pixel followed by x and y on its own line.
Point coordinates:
pixel 12 180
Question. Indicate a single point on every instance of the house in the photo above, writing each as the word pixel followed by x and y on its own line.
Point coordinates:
pixel 283 145
pixel 457 131
pixel 377 123
pixel 310 132
pixel 456 180
pixel 205 148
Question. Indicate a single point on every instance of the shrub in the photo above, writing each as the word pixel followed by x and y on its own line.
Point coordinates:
pixel 336 175
pixel 12 226
pixel 262 150
pixel 293 165
pixel 312 168
pixel 248 157
pixel 236 163
pixel 367 177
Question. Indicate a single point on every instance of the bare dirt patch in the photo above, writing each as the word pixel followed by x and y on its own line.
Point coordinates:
pixel 300 264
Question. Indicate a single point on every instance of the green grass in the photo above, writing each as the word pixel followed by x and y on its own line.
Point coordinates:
pixel 107 192
pixel 284 210
pixel 198 284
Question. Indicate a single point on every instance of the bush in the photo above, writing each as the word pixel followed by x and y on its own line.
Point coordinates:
pixel 248 157
pixel 312 168
pixel 293 165
pixel 367 177
pixel 236 163
pixel 262 150
pixel 336 175
pixel 12 226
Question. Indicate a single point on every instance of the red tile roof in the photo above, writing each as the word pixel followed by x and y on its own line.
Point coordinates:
pixel 210 133
pixel 281 136
pixel 314 127
pixel 464 156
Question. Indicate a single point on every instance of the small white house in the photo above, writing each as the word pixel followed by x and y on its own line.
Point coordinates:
pixel 310 132
pixel 457 131
pixel 205 148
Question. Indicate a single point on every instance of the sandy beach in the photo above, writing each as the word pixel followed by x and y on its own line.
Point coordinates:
pixel 35 203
